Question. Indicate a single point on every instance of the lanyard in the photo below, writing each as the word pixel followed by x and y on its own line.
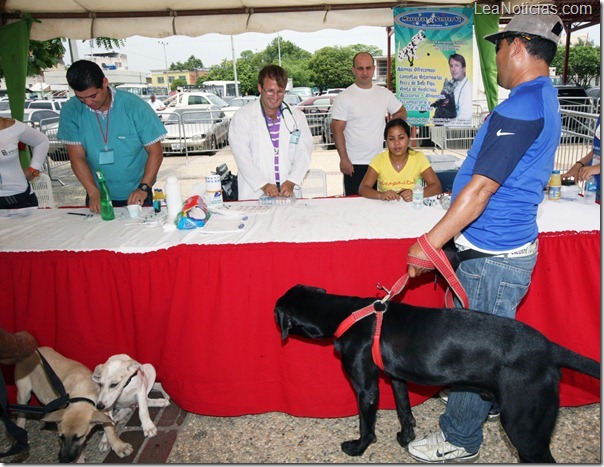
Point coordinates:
pixel 106 133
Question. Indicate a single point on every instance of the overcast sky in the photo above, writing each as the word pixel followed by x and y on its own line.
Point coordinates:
pixel 145 54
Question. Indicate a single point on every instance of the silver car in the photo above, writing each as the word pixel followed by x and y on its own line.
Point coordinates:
pixel 204 129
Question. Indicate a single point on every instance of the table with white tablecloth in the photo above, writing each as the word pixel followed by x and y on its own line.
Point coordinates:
pixel 199 304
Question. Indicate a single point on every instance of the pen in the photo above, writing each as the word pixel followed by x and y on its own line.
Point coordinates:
pixel 77 214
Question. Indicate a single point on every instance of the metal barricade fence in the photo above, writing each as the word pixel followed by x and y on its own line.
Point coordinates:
pixel 576 141
pixel 195 131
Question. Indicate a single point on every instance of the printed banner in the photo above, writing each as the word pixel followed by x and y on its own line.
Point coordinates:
pixel 434 64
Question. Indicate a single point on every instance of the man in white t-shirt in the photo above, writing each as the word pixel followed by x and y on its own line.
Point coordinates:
pixel 359 118
pixel 156 105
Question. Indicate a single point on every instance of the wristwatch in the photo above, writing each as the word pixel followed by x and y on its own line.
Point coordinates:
pixel 35 172
pixel 144 187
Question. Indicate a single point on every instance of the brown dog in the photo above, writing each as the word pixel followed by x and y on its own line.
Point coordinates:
pixel 76 420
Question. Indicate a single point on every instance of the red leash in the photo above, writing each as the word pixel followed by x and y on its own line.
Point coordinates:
pixel 438 260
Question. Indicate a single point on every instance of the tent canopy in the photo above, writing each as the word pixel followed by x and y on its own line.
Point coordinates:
pixel 86 19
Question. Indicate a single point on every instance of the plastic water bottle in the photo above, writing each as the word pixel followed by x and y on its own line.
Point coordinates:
pixel 589 190
pixel 554 189
pixel 173 197
pixel 107 213
pixel 418 194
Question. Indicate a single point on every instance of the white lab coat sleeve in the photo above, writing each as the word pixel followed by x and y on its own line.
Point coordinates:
pixel 302 152
pixel 465 104
pixel 244 132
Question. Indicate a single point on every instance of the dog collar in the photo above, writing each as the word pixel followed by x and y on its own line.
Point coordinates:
pixel 73 400
pixel 130 379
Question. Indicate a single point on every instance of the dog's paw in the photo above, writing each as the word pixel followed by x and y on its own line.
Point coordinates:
pixel 159 402
pixel 150 430
pixel 357 447
pixel 104 445
pixel 405 437
pixel 123 449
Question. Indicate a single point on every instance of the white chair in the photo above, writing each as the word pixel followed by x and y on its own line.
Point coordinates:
pixel 314 184
pixel 42 186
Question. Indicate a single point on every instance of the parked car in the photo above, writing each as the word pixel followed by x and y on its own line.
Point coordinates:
pixel 196 131
pixel 334 91
pixel 50 104
pixel 193 98
pixel 236 103
pixel 292 99
pixel 303 92
pixel 41 119
pixel 316 108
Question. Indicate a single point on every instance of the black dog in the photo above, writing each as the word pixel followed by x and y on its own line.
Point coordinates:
pixel 501 358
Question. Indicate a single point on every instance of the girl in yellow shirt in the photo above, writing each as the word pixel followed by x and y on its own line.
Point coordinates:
pixel 396 168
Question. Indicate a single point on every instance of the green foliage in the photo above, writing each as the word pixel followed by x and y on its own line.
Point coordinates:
pixel 177 83
pixel 330 67
pixel 583 63
pixel 108 43
pixel 191 64
pixel 42 55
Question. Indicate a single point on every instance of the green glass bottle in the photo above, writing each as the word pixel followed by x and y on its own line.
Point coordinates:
pixel 107 213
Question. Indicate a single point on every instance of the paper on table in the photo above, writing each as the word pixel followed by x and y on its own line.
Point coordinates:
pixel 224 224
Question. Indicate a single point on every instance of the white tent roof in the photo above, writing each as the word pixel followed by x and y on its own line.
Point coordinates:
pixel 86 19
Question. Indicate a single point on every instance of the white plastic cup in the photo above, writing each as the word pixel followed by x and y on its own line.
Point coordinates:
pixel 134 210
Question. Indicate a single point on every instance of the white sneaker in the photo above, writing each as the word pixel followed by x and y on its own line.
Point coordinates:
pixel 435 448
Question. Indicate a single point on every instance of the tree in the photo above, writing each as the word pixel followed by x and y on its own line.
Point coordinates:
pixel 583 63
pixel 42 54
pixel 108 43
pixel 191 64
pixel 330 67
pixel 177 83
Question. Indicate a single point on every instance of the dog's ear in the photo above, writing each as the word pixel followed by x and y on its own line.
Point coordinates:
pixel 284 322
pixel 54 417
pixel 100 418
pixel 96 376
pixel 134 366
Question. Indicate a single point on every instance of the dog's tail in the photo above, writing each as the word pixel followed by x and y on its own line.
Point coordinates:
pixel 569 359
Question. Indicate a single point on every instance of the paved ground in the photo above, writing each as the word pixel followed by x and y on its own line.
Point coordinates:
pixel 276 437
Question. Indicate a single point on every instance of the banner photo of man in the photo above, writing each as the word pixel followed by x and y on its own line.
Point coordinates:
pixel 433 64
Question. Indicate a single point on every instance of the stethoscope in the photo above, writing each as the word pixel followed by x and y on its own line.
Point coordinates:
pixel 284 105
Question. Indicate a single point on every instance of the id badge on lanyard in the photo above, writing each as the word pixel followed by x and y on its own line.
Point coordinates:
pixel 106 156
pixel 295 137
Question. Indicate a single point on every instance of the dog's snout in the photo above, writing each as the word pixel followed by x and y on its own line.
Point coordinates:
pixel 100 405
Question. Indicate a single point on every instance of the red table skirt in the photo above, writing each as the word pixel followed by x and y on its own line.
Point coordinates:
pixel 203 315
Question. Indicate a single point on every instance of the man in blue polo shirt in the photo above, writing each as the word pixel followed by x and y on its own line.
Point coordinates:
pixel 493 213
pixel 114 131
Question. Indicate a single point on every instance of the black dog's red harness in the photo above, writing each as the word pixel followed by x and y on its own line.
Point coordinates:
pixel 437 260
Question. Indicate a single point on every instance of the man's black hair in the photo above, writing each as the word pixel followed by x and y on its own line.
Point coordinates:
pixel 84 74
pixel 536 46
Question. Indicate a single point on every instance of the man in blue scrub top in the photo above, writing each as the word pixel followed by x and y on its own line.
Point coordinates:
pixel 114 131
pixel 493 213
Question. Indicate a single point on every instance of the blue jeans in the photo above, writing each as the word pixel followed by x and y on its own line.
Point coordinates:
pixel 494 285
